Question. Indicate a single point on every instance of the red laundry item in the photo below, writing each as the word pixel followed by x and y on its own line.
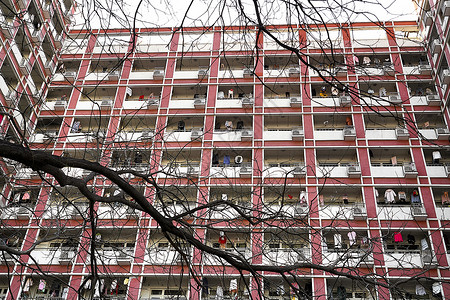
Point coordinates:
pixel 290 196
pixel 398 237
pixel 222 240
pixel 141 97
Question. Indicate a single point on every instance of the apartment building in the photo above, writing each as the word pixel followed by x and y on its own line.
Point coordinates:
pixel 340 155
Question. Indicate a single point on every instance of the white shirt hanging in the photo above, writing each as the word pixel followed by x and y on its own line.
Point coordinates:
pixel 219 293
pixel 436 155
pixel 337 240
pixel 420 290
pixel 424 244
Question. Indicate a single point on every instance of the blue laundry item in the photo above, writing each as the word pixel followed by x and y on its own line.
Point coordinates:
pixel 226 160
pixel 415 199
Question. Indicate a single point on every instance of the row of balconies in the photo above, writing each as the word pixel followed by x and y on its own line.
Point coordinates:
pixel 299 209
pixel 344 254
pixel 240 102
pixel 158 73
pixel 242 135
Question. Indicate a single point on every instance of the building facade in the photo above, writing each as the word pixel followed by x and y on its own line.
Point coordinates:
pixel 334 159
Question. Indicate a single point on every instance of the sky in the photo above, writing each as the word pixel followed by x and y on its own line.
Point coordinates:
pixel 170 13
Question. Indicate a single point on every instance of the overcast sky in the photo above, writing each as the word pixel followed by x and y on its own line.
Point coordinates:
pixel 168 13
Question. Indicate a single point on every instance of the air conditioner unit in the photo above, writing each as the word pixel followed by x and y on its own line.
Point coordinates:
pixel 11 97
pixel 66 257
pixel 442 133
pixel 446 8
pixel 247 102
pixel 359 213
pixel 436 46
pixel 70 76
pixel 50 135
pixel 248 73
pixel 445 76
pixel 245 172
pixel 153 103
pixel 193 170
pixel 395 99
pixel 299 171
pixel 433 100
pixel 428 259
pixel 294 72
pixel 297 134
pixel 23 213
pixel 7 259
pixel 6 30
pixel 107 103
pixel 425 69
pixel 202 74
pixel 353 171
pixel 349 134
pixel 196 134
pixel 428 18
pixel 409 170
pixel 418 212
pixel 345 101
pixel 447 170
pixel 58 40
pixel 158 74
pixel 131 213
pixel 47 10
pixel 78 214
pixel 401 133
pixel 123 258
pixel 295 102
pixel 388 70
pixel 300 211
pixel 199 103
pixel 36 36
pixel 148 134
pixel 246 135
pixel 60 105
pixel 24 66
pixel 114 75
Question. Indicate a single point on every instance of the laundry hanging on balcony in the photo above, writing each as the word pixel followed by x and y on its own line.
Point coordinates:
pixel 337 240
pixel 398 238
pixel 415 198
pixel 27 285
pixel 424 244
pixel 389 196
pixel 42 285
